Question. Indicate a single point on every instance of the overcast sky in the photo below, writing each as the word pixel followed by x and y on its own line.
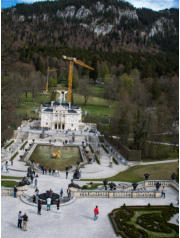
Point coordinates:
pixel 153 4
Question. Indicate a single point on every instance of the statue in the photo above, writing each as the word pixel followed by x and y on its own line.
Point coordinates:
pixel 56 155
pixel 105 184
pixel 146 176
pixel 158 186
pixel 173 176
pixel 76 174
pixel 135 186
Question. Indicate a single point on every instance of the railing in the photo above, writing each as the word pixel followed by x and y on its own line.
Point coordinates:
pixel 128 192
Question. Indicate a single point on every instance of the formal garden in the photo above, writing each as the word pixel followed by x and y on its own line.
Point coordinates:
pixel 144 221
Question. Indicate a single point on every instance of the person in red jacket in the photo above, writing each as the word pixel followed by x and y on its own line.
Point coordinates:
pixel 96 213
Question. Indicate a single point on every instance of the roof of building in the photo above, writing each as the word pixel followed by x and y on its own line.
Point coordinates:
pixel 72 111
pixel 48 110
pixel 48 104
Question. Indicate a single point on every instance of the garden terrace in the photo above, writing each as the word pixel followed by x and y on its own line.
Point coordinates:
pixel 144 221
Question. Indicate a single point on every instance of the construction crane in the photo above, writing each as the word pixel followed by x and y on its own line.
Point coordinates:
pixel 71 64
pixel 47 78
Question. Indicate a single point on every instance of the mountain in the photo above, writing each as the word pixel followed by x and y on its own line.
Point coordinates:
pixel 48 29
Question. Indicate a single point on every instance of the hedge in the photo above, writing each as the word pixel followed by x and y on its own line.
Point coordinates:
pixel 115 161
pixel 91 148
pixel 106 150
pixel 9 144
pixel 97 159
pixel 14 156
pixel 157 222
pixel 22 147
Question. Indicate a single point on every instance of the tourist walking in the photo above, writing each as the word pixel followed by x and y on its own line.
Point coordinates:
pixel 39 207
pixel 96 213
pixel 15 191
pixel 48 202
pixel 61 193
pixel 69 193
pixel 35 182
pixel 58 204
pixel 19 220
pixel 25 220
pixel 32 178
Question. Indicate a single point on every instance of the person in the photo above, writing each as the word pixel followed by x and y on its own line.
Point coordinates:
pixel 69 193
pixel 96 213
pixel 66 174
pixel 178 200
pixel 61 193
pixel 58 204
pixel 48 202
pixel 15 191
pixel 2 168
pixel 34 198
pixel 35 182
pixel 11 162
pixel 39 207
pixel 32 178
pixel 25 220
pixel 19 220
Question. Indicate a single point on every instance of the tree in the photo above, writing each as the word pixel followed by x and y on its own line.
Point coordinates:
pixel 84 89
pixel 93 74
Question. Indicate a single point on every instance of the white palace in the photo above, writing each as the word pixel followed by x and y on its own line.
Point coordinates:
pixel 60 115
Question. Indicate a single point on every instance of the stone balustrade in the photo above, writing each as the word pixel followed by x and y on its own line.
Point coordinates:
pixel 127 192
pixel 10 191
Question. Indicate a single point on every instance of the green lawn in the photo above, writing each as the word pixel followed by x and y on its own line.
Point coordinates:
pixel 28 106
pixel 136 173
pixel 10 177
pixel 8 183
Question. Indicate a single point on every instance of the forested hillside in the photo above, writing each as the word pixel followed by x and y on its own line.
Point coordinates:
pixel 134 53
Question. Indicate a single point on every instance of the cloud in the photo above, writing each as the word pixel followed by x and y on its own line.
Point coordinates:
pixel 155 4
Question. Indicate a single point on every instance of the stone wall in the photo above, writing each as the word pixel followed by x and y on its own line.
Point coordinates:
pixel 10 191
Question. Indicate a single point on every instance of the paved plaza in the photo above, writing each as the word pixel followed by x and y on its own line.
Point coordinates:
pixel 73 220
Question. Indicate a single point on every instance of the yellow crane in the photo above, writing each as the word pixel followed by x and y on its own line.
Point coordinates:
pixel 47 78
pixel 71 64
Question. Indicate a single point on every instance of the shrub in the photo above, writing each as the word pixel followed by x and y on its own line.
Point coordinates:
pixel 105 149
pixel 97 159
pixel 22 147
pixel 9 144
pixel 115 161
pixel 91 148
pixel 8 183
pixel 14 156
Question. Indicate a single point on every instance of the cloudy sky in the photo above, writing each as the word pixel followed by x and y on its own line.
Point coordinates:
pixel 153 4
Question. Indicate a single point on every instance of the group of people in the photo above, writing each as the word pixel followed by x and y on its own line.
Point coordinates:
pixel 22 221
pixel 50 171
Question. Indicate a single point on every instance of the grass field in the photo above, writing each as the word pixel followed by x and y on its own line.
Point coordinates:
pixel 10 177
pixel 136 173
pixel 8 183
pixel 69 156
pixel 28 106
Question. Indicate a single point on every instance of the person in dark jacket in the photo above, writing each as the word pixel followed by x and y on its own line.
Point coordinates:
pixel 15 191
pixel 20 220
pixel 25 220
pixel 39 207
pixel 58 204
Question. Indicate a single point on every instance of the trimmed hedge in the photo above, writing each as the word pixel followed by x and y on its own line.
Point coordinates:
pixel 22 147
pixel 93 186
pixel 97 159
pixel 156 222
pixel 14 156
pixel 91 148
pixel 105 149
pixel 9 144
pixel 115 161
